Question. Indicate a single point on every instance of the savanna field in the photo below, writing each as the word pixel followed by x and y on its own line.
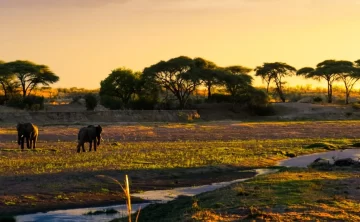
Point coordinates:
pixel 168 155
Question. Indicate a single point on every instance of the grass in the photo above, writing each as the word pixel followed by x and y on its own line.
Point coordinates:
pixel 155 155
pixel 290 195
pixel 70 177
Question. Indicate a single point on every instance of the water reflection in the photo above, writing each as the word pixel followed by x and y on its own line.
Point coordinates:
pixel 304 161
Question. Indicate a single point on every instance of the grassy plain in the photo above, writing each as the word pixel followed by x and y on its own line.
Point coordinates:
pixel 155 156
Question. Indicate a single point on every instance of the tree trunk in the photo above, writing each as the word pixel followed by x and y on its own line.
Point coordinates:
pixel 329 92
pixel 209 91
pixel 347 95
pixel 5 91
pixel 267 88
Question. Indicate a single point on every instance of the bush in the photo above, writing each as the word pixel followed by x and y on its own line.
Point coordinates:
pixel 262 110
pixel 317 99
pixel 90 101
pixel 111 102
pixel 219 98
pixel 143 104
pixel 33 103
pixel 75 99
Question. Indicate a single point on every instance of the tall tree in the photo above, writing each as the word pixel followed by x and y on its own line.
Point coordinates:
pixel 121 83
pixel 236 84
pixel 208 73
pixel 5 78
pixel 31 75
pixel 266 77
pixel 276 71
pixel 329 70
pixel 176 75
pixel 349 74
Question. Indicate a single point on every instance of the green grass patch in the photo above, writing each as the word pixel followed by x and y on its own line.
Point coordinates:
pixel 290 195
pixel 324 145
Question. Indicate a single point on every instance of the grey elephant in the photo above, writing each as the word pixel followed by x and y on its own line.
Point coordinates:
pixel 27 131
pixel 90 134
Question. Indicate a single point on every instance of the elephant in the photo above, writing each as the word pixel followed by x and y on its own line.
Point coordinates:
pixel 28 131
pixel 89 134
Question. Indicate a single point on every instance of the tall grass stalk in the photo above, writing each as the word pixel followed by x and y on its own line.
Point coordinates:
pixel 126 191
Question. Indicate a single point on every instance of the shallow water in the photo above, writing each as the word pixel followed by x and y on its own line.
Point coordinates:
pixel 77 215
pixel 304 161
pixel 156 196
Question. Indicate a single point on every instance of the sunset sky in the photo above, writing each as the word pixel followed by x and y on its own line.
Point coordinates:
pixel 83 40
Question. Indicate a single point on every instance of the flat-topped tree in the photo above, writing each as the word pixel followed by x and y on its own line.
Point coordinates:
pixel 349 73
pixel 236 83
pixel 275 71
pixel 176 75
pixel 332 71
pixel 31 75
pixel 6 78
pixel 208 73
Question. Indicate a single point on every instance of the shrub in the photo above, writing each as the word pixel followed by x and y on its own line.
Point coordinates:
pixel 75 99
pixel 219 98
pixel 33 103
pixel 143 104
pixel 356 106
pixel 317 99
pixel 90 101
pixel 111 102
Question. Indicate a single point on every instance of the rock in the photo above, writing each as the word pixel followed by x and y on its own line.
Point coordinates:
pixel 345 162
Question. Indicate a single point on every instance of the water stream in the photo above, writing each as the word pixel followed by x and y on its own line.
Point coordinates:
pixel 163 196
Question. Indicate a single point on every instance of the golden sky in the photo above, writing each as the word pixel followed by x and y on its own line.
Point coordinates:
pixel 83 41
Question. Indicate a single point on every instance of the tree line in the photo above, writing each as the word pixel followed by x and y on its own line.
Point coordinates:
pixel 178 79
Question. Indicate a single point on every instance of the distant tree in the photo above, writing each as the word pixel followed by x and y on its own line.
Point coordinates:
pixel 208 73
pixel 6 78
pixel 331 71
pixel 121 83
pixel 31 75
pixel 276 71
pixel 176 75
pixel 266 77
pixel 90 101
pixel 349 74
pixel 236 84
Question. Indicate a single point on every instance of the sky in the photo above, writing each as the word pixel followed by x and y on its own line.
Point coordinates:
pixel 83 40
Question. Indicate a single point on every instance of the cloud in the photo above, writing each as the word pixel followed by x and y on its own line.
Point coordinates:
pixel 57 3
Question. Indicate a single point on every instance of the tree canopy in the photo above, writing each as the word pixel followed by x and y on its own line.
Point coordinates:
pixel 30 75
pixel 275 71
pixel 176 75
pixel 121 83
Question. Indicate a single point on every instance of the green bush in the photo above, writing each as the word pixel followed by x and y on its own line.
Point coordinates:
pixel 33 103
pixel 90 101
pixel 219 98
pixel 317 99
pixel 111 102
pixel 143 104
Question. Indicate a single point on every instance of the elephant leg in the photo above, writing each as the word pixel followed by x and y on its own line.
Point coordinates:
pixel 28 142
pixel 78 148
pixel 95 145
pixel 22 143
pixel 34 142
pixel 90 146
pixel 83 147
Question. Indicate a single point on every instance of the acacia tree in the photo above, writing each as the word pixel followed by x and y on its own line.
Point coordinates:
pixel 31 75
pixel 331 71
pixel 276 71
pixel 236 84
pixel 349 73
pixel 5 78
pixel 266 77
pixel 121 83
pixel 176 75
pixel 208 73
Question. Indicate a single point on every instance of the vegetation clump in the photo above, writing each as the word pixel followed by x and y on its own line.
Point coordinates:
pixel 99 212
pixel 324 145
pixel 90 101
